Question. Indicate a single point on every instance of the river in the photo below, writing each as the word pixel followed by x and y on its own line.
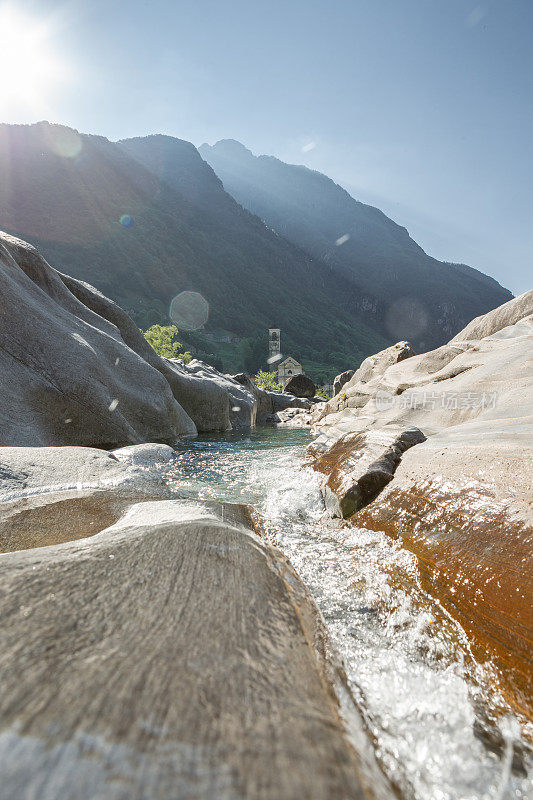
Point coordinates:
pixel 440 731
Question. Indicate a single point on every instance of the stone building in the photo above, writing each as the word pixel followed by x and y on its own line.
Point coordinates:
pixel 288 366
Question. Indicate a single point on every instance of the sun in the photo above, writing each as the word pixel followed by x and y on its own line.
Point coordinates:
pixel 30 72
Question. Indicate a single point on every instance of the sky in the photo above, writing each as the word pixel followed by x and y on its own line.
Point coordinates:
pixel 423 108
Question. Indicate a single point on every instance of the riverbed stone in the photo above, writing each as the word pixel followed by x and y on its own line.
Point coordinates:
pixel 300 386
pixel 173 654
pixel 360 465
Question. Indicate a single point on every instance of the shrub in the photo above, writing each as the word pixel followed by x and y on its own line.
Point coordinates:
pixel 163 340
pixel 268 380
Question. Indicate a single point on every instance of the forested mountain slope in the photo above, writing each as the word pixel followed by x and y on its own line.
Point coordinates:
pixel 67 193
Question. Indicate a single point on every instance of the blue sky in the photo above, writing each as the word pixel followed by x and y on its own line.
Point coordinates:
pixel 421 107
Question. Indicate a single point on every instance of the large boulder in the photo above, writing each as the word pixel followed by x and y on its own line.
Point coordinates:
pixel 242 400
pixel 300 386
pixel 341 379
pixel 359 388
pixel 66 374
pixel 204 400
pixel 50 495
pixel 360 465
pixel 459 500
pixel 173 654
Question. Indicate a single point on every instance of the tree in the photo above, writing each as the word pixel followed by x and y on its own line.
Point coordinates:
pixel 268 380
pixel 163 340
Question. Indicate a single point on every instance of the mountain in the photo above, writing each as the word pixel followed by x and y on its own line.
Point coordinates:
pixel 390 281
pixel 67 192
pixel 146 218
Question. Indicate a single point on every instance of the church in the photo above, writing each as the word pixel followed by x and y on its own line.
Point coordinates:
pixel 286 367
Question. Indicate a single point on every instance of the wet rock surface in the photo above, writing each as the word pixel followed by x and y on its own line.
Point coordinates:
pixel 462 500
pixel 359 466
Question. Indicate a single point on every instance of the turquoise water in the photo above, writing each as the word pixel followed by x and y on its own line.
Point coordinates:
pixel 232 466
pixel 423 697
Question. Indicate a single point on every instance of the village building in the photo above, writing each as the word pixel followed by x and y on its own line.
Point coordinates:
pixel 286 367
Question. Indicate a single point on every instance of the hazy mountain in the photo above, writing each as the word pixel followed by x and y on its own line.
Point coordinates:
pixel 401 290
pixel 67 192
pixel 146 218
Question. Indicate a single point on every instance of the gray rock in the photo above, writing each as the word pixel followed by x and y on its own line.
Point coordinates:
pixel 173 654
pixel 341 379
pixel 205 402
pixel 300 386
pixel 294 418
pixel 66 374
pixel 30 471
pixel 241 401
pixel 357 391
pixel 360 465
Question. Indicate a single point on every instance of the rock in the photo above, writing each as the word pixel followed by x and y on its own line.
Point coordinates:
pixel 293 418
pixel 242 403
pixel 50 495
pixel 300 386
pixel 66 374
pixel 507 314
pixel 360 387
pixel 206 403
pixel 282 400
pixel 30 471
pixel 458 500
pixel 341 379
pixel 360 465
pixel 173 654
pixel 460 503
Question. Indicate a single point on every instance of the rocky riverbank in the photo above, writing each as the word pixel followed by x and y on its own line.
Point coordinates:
pixel 150 646
pixel 153 644
pixel 437 451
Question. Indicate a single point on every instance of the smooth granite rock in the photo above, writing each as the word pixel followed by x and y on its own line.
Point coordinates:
pixel 172 655
pixel 462 501
pixel 66 374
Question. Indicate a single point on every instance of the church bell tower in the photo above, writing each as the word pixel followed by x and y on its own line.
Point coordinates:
pixel 274 346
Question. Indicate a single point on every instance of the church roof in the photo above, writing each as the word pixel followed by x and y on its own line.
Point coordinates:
pixel 290 360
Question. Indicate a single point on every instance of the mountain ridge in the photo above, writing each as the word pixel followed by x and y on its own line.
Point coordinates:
pixel 145 218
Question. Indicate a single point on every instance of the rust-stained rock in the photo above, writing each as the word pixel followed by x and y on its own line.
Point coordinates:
pixel 359 466
pixel 462 500
pixel 469 520
pixel 173 654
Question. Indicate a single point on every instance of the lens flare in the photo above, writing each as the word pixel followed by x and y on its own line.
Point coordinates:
pixel 189 311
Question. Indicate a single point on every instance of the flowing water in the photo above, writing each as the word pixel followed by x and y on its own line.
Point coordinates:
pixel 440 733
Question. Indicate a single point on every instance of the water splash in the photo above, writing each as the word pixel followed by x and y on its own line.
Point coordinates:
pixel 406 662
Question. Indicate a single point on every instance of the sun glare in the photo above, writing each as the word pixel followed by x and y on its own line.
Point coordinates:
pixel 30 73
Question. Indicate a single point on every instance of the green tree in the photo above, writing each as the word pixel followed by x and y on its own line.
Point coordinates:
pixel 268 380
pixel 163 340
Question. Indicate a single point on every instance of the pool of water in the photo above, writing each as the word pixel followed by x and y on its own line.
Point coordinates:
pixel 440 733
